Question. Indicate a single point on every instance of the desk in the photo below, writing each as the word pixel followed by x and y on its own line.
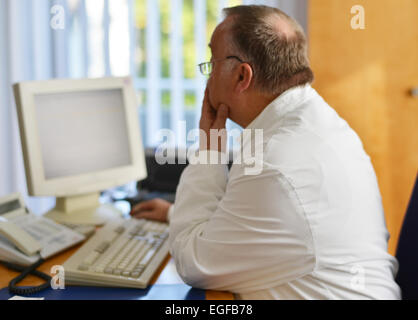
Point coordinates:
pixel 166 274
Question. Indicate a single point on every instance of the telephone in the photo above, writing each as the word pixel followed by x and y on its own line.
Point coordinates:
pixel 25 237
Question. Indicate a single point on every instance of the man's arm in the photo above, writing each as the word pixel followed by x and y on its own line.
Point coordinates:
pixel 249 234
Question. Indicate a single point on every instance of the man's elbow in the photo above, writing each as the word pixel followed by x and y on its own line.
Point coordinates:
pixel 189 271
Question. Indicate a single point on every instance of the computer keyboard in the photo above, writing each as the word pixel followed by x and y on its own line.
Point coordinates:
pixel 124 253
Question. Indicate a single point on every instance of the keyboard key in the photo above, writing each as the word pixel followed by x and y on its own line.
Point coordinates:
pixel 102 247
pixel 83 267
pixel 120 229
pixel 134 231
pixel 108 270
pixel 136 274
pixel 91 258
pixel 158 242
pixel 126 273
pixel 147 257
pixel 99 269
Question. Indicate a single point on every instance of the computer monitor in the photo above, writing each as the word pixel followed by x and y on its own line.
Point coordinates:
pixel 79 137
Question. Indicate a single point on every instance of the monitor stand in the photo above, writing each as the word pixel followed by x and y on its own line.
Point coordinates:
pixel 83 209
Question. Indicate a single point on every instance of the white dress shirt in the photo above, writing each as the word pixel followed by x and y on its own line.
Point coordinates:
pixel 310 225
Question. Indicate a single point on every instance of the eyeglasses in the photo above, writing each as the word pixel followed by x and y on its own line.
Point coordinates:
pixel 207 67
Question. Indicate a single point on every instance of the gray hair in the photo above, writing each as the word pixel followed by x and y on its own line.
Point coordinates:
pixel 278 58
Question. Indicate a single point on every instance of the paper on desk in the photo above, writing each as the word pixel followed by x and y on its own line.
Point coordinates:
pixel 25 298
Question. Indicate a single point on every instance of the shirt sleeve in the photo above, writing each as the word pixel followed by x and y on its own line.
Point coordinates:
pixel 239 232
pixel 170 212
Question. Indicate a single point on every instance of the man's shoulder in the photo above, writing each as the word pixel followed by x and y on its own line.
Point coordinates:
pixel 289 146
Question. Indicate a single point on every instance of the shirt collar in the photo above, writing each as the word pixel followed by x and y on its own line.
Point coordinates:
pixel 284 103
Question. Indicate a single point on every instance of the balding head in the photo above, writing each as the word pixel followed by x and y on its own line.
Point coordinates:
pixel 281 25
pixel 273 43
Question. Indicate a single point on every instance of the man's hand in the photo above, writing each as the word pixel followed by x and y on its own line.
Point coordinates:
pixel 213 134
pixel 155 209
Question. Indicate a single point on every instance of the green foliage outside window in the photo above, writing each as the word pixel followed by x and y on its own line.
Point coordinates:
pixel 188 37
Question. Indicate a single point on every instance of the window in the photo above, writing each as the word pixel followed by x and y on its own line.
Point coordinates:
pixel 158 42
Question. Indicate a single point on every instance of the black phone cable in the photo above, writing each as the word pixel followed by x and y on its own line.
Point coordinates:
pixel 25 271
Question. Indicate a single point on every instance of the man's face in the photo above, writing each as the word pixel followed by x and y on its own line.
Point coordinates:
pixel 219 83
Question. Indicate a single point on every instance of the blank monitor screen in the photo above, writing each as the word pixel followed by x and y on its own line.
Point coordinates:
pixel 82 132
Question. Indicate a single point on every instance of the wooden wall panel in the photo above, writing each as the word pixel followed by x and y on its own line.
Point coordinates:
pixel 365 75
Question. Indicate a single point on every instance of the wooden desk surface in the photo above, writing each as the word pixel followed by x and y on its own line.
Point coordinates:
pixel 166 274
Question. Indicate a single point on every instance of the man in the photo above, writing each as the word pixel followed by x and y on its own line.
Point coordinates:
pixel 310 225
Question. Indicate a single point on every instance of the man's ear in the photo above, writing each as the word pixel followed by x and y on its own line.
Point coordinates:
pixel 245 75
